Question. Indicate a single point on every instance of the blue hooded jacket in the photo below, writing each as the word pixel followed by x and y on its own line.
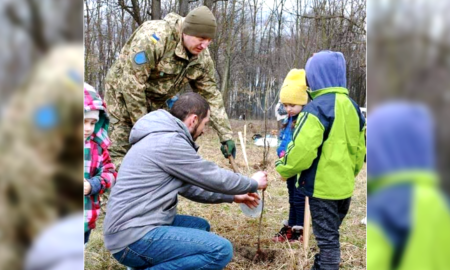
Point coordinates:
pixel 326 69
pixel 402 193
pixel 401 138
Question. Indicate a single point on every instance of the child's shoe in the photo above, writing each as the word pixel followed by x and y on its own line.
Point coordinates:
pixel 285 234
pixel 297 234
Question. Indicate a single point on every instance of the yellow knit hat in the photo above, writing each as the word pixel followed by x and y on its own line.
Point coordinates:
pixel 294 88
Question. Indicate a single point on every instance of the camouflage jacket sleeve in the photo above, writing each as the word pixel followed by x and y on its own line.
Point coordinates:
pixel 207 87
pixel 141 56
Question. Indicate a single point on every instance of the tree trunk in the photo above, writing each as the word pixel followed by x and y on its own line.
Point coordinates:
pixel 226 75
pixel 156 9
pixel 209 3
pixel 184 7
pixel 87 44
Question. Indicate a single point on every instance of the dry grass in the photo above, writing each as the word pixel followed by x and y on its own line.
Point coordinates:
pixel 228 221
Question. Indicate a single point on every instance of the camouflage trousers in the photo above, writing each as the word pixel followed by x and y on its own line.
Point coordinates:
pixel 119 134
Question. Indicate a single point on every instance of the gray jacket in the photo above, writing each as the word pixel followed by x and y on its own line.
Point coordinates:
pixel 162 163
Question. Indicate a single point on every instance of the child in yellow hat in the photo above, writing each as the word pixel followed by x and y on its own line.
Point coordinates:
pixel 293 95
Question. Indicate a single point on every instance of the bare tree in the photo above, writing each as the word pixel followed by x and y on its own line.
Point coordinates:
pixel 229 43
pixel 134 10
pixel 156 9
pixel 255 44
pixel 184 7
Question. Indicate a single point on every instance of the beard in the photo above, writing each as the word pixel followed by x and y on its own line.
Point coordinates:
pixel 194 133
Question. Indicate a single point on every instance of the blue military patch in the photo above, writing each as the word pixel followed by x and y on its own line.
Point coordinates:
pixel 46 117
pixel 140 58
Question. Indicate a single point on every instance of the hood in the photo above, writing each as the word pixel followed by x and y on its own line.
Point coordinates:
pixel 93 101
pixel 400 138
pixel 67 254
pixel 326 69
pixel 159 121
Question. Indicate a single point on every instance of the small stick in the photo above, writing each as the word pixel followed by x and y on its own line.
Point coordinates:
pixel 260 219
pixel 259 252
pixel 231 159
pixel 306 227
pixel 233 164
pixel 245 135
pixel 243 149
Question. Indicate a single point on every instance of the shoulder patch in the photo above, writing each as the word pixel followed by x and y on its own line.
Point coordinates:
pixel 140 58
pixel 46 117
pixel 73 80
pixel 154 38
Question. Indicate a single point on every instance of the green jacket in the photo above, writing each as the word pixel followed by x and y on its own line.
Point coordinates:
pixel 408 225
pixel 328 147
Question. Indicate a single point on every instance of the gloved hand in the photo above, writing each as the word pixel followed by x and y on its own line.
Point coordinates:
pixel 231 148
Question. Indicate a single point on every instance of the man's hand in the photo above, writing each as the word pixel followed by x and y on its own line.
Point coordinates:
pixel 231 148
pixel 250 199
pixel 261 178
pixel 87 187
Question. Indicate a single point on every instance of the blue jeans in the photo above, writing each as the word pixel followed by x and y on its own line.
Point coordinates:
pixel 187 244
pixel 86 236
pixel 296 203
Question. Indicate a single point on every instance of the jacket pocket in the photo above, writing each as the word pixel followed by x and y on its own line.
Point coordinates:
pixel 134 259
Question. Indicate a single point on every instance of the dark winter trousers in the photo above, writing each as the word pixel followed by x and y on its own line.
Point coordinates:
pixel 327 216
pixel 296 203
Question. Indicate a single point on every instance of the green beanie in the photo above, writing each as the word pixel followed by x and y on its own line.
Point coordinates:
pixel 200 22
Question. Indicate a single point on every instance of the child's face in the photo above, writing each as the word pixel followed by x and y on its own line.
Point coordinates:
pixel 293 109
pixel 89 124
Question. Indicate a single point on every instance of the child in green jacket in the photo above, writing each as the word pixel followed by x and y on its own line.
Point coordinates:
pixel 327 152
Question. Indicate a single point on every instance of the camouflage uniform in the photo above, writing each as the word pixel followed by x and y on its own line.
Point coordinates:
pixel 41 168
pixel 153 66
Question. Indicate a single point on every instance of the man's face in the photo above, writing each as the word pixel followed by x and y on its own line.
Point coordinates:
pixel 195 45
pixel 198 130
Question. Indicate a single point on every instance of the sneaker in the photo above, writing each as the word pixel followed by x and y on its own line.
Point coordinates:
pixel 297 234
pixel 283 235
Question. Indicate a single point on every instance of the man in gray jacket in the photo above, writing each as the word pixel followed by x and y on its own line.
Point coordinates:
pixel 141 227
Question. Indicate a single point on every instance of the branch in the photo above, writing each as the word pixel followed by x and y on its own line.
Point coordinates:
pixel 135 16
pixel 335 17
pixel 329 18
pixel 36 27
pixel 125 7
pixel 14 18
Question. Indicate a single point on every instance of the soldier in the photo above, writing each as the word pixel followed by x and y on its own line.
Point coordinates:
pixel 40 153
pixel 154 65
